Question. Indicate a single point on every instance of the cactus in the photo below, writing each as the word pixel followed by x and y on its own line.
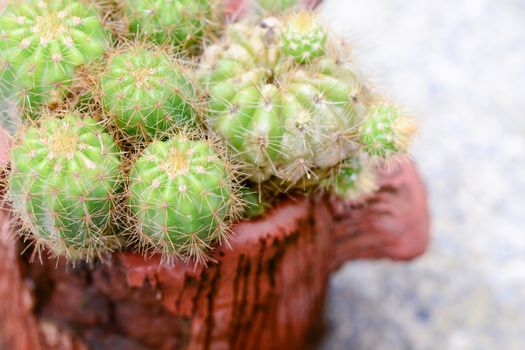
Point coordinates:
pixel 281 118
pixel 254 205
pixel 181 196
pixel 147 93
pixel 352 179
pixel 304 39
pixel 386 131
pixel 43 42
pixel 285 110
pixel 182 23
pixel 63 184
pixel 276 5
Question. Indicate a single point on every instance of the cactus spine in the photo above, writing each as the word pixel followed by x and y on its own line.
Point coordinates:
pixel 63 184
pixel 181 196
pixel 43 42
pixel 147 94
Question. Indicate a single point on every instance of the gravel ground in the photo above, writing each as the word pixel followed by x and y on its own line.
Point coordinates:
pixel 459 66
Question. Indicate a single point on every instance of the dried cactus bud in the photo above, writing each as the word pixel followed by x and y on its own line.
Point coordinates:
pixel 43 42
pixel 64 179
pixel 181 196
pixel 147 93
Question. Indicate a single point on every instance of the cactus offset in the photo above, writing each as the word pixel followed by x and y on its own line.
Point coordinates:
pixel 147 94
pixel 181 196
pixel 253 203
pixel 386 131
pixel 182 23
pixel 304 39
pixel 42 44
pixel 276 5
pixel 64 180
pixel 352 179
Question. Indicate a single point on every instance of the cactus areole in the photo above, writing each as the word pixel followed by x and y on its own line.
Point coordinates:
pixel 180 194
pixel 42 42
pixel 64 179
pixel 286 106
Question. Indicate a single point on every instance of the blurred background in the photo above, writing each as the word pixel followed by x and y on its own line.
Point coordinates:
pixel 459 67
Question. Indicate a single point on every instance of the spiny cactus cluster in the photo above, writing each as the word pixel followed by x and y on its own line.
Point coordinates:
pixel 290 104
pixel 135 141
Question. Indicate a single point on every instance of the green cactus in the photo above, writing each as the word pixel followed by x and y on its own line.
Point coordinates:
pixel 304 39
pixel 353 179
pixel 181 23
pixel 386 132
pixel 254 205
pixel 181 196
pixel 64 180
pixel 276 5
pixel 147 93
pixel 281 118
pixel 43 42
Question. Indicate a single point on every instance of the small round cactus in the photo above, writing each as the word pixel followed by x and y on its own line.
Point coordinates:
pixel 181 23
pixel 386 132
pixel 181 196
pixel 281 118
pixel 63 184
pixel 42 44
pixel 254 205
pixel 147 93
pixel 353 179
pixel 304 39
pixel 276 5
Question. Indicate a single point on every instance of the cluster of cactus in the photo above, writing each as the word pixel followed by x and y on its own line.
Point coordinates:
pixel 285 97
pixel 131 138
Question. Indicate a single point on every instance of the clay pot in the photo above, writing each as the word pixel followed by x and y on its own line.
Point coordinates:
pixel 264 292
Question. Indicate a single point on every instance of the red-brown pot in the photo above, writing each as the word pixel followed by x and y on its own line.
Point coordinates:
pixel 266 292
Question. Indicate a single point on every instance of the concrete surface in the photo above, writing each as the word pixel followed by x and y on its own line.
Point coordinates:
pixel 459 66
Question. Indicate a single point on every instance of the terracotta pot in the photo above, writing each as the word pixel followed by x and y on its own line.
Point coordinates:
pixel 265 292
